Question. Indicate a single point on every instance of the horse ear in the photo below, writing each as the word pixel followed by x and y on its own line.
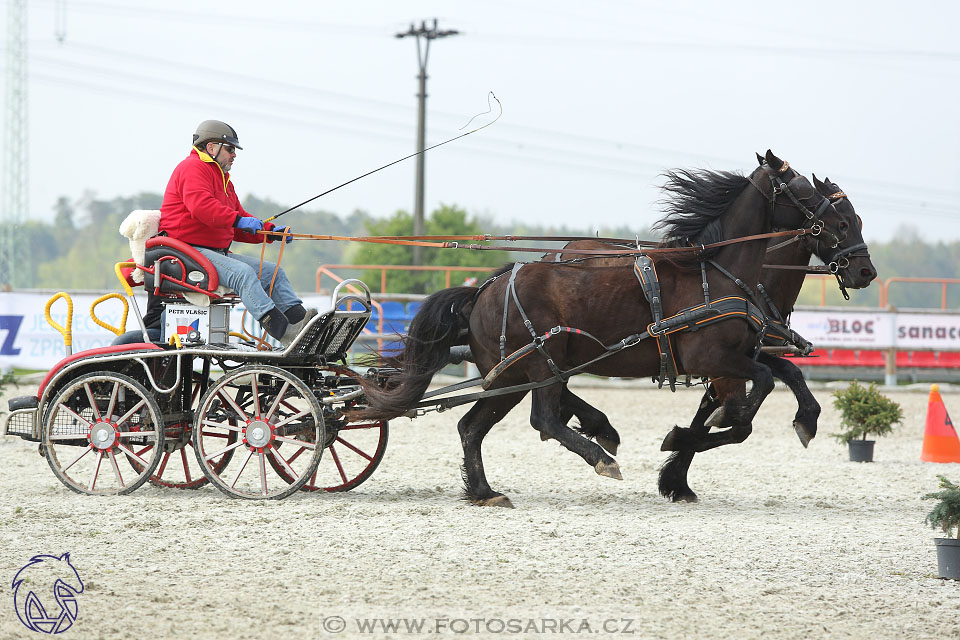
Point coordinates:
pixel 819 185
pixel 760 159
pixel 773 160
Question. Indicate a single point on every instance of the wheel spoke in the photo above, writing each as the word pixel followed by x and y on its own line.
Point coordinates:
pixel 113 398
pixel 77 459
pixel 254 389
pixel 283 463
pixel 263 473
pixel 163 464
pixel 186 467
pixel 354 449
pixel 77 415
pixel 93 401
pixel 133 410
pixel 116 469
pixel 68 436
pixel 220 425
pixel 96 471
pixel 276 402
pixel 238 443
pixel 233 403
pixel 242 467
pixel 302 443
pixel 132 455
pixel 290 419
pixel 296 455
pixel 336 460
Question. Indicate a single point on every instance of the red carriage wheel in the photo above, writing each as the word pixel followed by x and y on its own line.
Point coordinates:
pixel 178 468
pixel 95 423
pixel 260 408
pixel 351 459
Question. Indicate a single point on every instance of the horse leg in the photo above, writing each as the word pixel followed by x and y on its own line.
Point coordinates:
pixel 738 410
pixel 593 422
pixel 808 409
pixel 545 418
pixel 473 427
pixel 672 482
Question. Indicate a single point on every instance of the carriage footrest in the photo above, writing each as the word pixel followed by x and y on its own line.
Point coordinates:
pixel 22 419
pixel 23 402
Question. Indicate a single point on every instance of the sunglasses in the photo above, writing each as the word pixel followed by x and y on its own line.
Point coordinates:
pixel 229 148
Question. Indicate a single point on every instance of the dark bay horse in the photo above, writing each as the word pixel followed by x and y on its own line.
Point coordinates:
pixel 783 286
pixel 574 314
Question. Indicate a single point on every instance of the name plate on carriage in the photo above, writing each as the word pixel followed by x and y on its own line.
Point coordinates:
pixel 184 319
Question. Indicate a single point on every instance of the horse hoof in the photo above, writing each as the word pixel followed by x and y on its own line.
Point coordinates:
pixel 670 441
pixel 608 445
pixel 496 501
pixel 544 437
pixel 686 497
pixel 716 418
pixel 608 469
pixel 804 433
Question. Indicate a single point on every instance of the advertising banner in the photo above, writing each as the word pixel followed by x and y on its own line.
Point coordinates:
pixel 845 329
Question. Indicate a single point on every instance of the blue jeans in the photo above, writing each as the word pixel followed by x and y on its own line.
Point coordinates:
pixel 240 274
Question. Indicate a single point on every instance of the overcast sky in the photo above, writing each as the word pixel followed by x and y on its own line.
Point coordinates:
pixel 598 98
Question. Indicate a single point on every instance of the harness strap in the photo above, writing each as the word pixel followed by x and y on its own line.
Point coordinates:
pixel 646 272
pixel 772 308
pixel 537 344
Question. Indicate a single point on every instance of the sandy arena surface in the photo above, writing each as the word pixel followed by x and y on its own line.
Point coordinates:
pixel 785 543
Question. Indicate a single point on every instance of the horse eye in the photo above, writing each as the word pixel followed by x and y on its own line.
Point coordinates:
pixel 843 225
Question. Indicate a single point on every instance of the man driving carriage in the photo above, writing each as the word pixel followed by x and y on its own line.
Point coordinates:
pixel 201 207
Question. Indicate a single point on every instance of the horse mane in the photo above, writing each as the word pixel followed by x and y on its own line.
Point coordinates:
pixel 695 202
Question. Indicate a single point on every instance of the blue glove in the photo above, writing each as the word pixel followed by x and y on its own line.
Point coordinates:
pixel 289 239
pixel 249 224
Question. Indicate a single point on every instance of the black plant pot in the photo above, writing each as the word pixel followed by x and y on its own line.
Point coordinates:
pixel 861 450
pixel 948 557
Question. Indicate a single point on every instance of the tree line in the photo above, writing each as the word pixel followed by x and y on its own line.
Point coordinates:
pixel 78 248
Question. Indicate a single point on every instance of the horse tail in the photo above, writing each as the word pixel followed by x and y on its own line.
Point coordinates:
pixel 440 323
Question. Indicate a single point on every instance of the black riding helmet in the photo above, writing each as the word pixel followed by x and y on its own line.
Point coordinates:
pixel 215 131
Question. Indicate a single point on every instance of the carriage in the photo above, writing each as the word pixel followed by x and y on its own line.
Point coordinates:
pixel 260 430
pixel 110 419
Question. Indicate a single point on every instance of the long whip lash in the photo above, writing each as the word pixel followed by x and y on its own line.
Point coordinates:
pixel 490 96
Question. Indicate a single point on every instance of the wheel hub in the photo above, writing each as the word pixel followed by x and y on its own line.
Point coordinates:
pixel 258 434
pixel 103 435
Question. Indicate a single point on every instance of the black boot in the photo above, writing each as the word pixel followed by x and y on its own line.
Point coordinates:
pixel 275 323
pixel 295 313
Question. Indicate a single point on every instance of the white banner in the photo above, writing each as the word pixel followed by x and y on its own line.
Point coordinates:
pixel 28 342
pixel 845 329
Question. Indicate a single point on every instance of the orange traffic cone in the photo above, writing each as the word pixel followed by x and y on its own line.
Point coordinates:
pixel 940 441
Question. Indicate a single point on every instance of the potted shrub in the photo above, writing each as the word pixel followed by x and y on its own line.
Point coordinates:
pixel 864 411
pixel 946 516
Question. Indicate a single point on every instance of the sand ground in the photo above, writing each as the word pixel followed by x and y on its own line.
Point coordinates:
pixel 786 542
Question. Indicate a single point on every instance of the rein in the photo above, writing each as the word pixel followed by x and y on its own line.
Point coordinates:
pixel 404 241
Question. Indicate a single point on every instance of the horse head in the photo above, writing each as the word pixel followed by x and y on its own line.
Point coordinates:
pixel 832 226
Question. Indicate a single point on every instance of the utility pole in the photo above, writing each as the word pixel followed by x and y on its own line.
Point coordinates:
pixel 14 197
pixel 423 52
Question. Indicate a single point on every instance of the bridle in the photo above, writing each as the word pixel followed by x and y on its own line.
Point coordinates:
pixel 837 259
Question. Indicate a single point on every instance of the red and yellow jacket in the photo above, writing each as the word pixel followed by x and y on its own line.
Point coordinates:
pixel 200 205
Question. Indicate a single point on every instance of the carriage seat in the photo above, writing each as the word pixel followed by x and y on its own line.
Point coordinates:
pixel 178 269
